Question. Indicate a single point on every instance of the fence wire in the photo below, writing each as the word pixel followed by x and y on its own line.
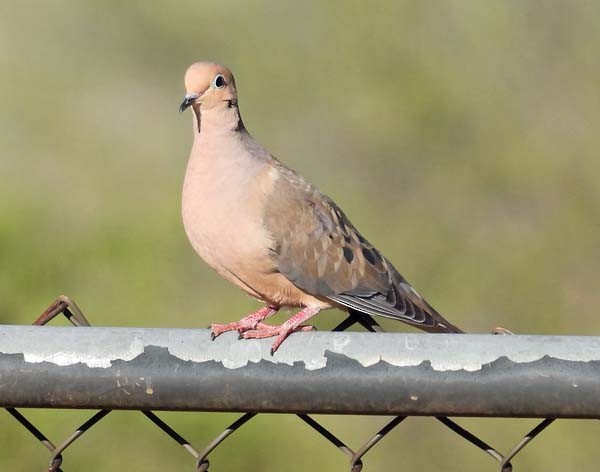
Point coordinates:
pixel 68 308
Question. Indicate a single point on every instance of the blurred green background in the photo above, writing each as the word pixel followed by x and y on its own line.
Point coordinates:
pixel 461 137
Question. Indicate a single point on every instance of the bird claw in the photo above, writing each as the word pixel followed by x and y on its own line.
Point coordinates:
pixel 501 330
pixel 252 321
pixel 218 329
pixel 305 328
pixel 281 331
pixel 263 330
pixel 261 333
pixel 252 327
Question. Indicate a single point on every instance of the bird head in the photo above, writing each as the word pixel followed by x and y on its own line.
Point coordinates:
pixel 208 85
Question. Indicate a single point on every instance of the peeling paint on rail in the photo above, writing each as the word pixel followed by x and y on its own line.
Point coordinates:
pixel 99 347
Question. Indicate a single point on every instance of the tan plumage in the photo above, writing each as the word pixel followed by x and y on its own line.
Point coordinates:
pixel 266 229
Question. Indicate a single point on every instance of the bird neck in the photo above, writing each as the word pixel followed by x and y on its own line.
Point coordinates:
pixel 221 119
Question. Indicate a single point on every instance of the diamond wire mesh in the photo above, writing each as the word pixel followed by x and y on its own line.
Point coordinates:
pixel 67 307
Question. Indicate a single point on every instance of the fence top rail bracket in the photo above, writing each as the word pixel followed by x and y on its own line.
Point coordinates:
pixel 312 372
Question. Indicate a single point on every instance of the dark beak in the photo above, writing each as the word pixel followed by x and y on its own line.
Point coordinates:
pixel 188 101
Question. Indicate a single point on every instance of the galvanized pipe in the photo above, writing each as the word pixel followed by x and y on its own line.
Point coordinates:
pixel 314 372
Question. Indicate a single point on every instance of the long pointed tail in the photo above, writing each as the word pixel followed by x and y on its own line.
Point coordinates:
pixel 442 324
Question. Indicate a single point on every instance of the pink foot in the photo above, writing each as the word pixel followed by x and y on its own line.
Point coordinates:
pixel 264 326
pixel 247 323
pixel 268 331
pixel 282 331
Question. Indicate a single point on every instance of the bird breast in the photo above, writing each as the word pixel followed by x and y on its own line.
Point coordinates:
pixel 222 206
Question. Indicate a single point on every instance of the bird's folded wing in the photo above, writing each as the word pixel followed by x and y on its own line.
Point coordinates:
pixel 317 248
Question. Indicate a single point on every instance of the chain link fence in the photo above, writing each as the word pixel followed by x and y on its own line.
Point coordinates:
pixel 200 456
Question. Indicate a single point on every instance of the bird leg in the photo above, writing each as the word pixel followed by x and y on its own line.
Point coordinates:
pixel 252 321
pixel 284 330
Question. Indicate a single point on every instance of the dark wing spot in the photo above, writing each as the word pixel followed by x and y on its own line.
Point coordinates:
pixel 347 238
pixel 348 254
pixel 370 255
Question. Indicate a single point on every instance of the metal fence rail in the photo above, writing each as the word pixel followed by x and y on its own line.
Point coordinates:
pixel 342 373
pixel 314 372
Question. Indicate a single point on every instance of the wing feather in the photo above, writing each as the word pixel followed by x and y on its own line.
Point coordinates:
pixel 319 250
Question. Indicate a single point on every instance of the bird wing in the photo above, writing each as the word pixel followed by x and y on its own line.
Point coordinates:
pixel 317 248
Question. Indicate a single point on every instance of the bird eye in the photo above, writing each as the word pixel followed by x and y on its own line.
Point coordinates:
pixel 219 81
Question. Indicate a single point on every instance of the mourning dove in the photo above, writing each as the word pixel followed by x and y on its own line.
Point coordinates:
pixel 266 229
